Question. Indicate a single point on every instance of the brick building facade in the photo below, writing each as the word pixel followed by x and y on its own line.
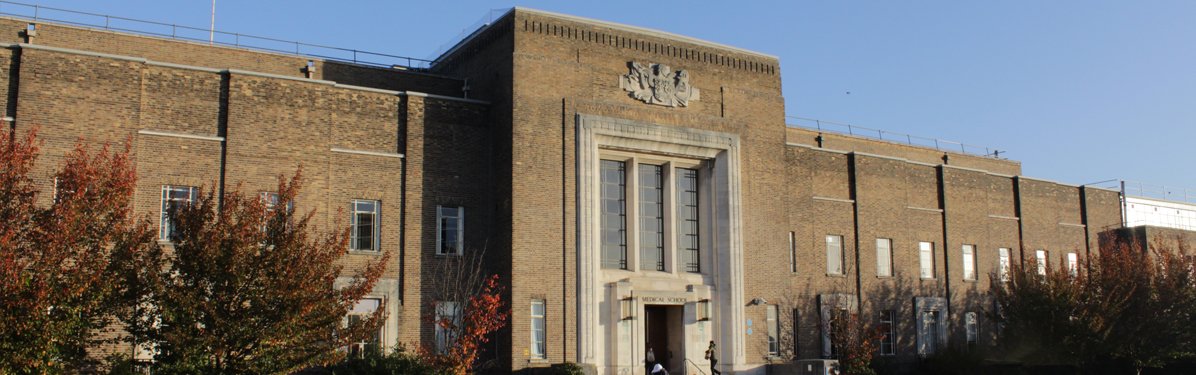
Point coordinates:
pixel 636 189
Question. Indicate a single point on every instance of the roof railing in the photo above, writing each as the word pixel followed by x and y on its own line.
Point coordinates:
pixel 913 140
pixel 38 13
pixel 1151 191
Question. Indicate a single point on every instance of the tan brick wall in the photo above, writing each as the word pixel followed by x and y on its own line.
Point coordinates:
pixel 512 164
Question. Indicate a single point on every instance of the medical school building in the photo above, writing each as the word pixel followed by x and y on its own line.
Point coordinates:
pixel 635 189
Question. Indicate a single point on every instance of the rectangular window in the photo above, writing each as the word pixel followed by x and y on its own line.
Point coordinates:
pixel 363 310
pixel 1073 264
pixel 969 262
pixel 613 226
pixel 448 312
pixel 774 343
pixel 972 326
pixel 537 343
pixel 1003 263
pixel 364 235
pixel 884 257
pixel 888 331
pixel 651 217
pixel 792 252
pixel 174 198
pixel 1040 261
pixel 834 255
pixel 450 229
pixel 687 219
pixel 928 333
pixel 796 333
pixel 926 259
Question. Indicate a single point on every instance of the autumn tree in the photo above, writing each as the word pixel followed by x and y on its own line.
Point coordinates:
pixel 57 294
pixel 853 340
pixel 249 288
pixel 1127 306
pixel 466 308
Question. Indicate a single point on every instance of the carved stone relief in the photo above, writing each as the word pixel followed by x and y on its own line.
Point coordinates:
pixel 658 84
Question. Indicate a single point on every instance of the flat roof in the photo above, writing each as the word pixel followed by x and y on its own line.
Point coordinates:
pixel 607 24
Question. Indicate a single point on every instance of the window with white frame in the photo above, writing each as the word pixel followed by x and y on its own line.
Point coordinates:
pixel 884 257
pixel 448 322
pixel 450 230
pixel 1040 261
pixel 365 225
pixel 969 262
pixel 774 329
pixel 1003 263
pixel 270 201
pixel 926 259
pixel 174 198
pixel 888 331
pixel 972 326
pixel 649 213
pixel 364 310
pixel 928 332
pixel 1073 264
pixel 834 255
pixel 537 343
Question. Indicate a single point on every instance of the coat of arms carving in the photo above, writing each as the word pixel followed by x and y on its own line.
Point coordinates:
pixel 658 84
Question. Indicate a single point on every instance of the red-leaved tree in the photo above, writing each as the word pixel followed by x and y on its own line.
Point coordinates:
pixel 250 288
pixel 58 293
pixel 463 328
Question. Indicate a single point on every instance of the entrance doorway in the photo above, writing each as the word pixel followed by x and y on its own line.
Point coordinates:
pixel 665 335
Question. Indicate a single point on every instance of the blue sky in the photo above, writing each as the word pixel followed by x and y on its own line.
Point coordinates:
pixel 1079 91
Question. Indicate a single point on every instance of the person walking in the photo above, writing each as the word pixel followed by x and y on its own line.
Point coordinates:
pixel 713 360
pixel 659 370
pixel 649 360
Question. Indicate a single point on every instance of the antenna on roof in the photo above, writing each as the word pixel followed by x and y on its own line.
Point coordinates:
pixel 212 28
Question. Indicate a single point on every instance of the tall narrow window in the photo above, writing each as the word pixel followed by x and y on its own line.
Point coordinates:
pixel 972 326
pixel 1073 264
pixel 792 252
pixel 450 313
pixel 888 332
pixel 926 259
pixel 834 255
pixel 363 310
pixel 774 343
pixel 364 235
pixel 651 188
pixel 687 219
pixel 1003 264
pixel 174 198
pixel 450 230
pixel 537 343
pixel 928 333
pixel 796 333
pixel 614 215
pixel 969 262
pixel 1040 261
pixel 884 257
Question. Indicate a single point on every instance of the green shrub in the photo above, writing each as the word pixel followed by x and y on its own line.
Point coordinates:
pixel 398 362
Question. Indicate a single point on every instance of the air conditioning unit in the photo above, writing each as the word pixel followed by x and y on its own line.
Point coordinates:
pixel 818 367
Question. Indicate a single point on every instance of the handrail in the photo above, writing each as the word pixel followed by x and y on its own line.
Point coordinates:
pixel 913 140
pixel 699 368
pixel 212 37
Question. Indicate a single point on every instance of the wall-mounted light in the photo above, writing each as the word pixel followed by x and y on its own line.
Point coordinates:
pixel 703 310
pixel 757 301
pixel 627 307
